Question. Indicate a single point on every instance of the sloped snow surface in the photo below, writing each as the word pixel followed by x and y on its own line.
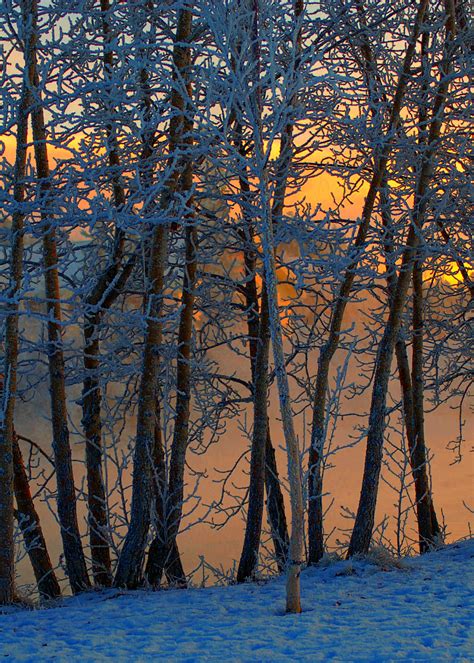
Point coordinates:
pixel 353 611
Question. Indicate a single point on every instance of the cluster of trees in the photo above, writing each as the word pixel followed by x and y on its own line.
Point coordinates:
pixel 165 227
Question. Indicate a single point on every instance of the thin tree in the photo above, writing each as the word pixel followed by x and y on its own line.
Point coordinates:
pixel 364 523
pixel 29 523
pixel 129 569
pixel 7 413
pixel 412 398
pixel 66 494
pixel 327 351
pixel 258 321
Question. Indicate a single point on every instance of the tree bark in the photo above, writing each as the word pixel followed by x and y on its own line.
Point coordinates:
pixel 253 529
pixel 163 557
pixel 428 527
pixel 269 214
pixel 66 494
pixel 276 506
pixel 9 383
pixel 30 526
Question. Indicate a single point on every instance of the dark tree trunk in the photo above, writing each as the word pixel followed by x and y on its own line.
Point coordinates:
pixel 66 494
pixel 428 527
pixel 129 569
pixel 365 518
pixel 30 526
pixel 249 557
pixel 315 509
pixel 92 423
pixel 8 385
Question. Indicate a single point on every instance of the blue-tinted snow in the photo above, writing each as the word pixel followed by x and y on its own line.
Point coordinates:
pixel 353 611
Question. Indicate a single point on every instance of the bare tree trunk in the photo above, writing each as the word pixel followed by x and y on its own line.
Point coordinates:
pixel 130 564
pixel 30 526
pixel 259 341
pixel 409 407
pixel 405 379
pixel 428 527
pixel 162 558
pixel 253 529
pixel 275 502
pixel 66 494
pixel 260 473
pixel 8 388
pixel 296 550
pixel 91 421
pixel 318 432
pixel 104 289
pixel 276 506
pixel 173 504
pixel 164 547
pixel 363 527
pixel 269 214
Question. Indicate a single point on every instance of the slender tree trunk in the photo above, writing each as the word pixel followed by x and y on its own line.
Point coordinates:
pixel 263 469
pixel 376 94
pixel 259 340
pixel 428 527
pixel 405 379
pixel 296 550
pixel 8 388
pixel 164 548
pixel 101 297
pixel 174 502
pixel 269 214
pixel 318 432
pixel 129 570
pixel 162 558
pixel 30 526
pixel 249 556
pixel 363 527
pixel 92 423
pixel 276 506
pixel 66 494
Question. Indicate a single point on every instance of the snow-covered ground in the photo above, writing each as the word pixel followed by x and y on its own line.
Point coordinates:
pixel 353 611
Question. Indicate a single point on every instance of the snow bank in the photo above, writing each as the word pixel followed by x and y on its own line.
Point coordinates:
pixel 353 611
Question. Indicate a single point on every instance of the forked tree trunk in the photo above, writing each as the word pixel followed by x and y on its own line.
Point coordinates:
pixel 66 494
pixel 275 502
pixel 376 94
pixel 365 518
pixel 163 556
pixel 173 504
pixel 163 553
pixel 318 431
pixel 263 470
pixel 420 477
pixel 29 523
pixel 129 569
